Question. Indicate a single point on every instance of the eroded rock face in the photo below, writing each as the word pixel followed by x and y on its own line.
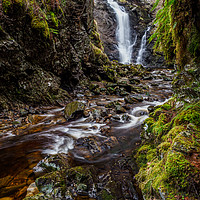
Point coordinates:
pixel 106 21
pixel 37 60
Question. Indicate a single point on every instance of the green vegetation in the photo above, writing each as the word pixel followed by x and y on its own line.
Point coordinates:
pixel 99 56
pixel 44 15
pixel 106 196
pixel 177 33
pixel 166 155
pixel 95 37
pixel 190 114
pixel 171 136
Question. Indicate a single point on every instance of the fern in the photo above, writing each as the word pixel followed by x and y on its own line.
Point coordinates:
pixel 163 32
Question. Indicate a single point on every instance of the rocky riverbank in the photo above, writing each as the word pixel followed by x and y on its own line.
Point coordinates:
pixel 95 145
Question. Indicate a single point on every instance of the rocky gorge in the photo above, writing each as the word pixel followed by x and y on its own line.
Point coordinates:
pixel 77 124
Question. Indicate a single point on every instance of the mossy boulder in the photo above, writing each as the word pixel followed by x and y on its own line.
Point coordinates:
pixel 167 157
pixel 74 110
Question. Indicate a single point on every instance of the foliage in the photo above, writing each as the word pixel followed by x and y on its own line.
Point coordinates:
pixel 177 33
pixel 163 33
pixel 167 152
pixel 44 14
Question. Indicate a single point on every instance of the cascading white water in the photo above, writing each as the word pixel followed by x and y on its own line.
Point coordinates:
pixel 142 47
pixel 123 33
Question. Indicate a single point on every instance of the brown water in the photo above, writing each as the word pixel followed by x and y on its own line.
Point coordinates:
pixel 23 147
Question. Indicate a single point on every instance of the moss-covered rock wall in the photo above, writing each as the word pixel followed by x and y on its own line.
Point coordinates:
pixel 46 46
pixel 169 157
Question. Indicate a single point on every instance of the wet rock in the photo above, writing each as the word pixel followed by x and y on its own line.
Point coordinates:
pixel 167 78
pixel 96 114
pixel 135 80
pixel 126 118
pixel 51 163
pixel 111 90
pixel 105 130
pixel 123 81
pixel 110 142
pixel 120 109
pixel 112 104
pixel 36 61
pixel 133 99
pixel 92 147
pixel 93 86
pixel 151 109
pixel 149 77
pixel 128 106
pixel 123 92
pixel 140 113
pixel 74 110
pixel 154 84
pixel 23 112
pixel 86 113
pixel 97 91
pixel 32 190
pixel 101 103
pixel 116 117
pixel 34 119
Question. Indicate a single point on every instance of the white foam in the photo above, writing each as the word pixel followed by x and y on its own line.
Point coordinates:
pixel 61 145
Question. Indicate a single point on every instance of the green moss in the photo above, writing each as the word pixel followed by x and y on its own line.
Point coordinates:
pixel 145 153
pixel 158 126
pixel 6 5
pixel 99 57
pixel 41 24
pixel 54 19
pixel 194 43
pixel 186 143
pixel 162 161
pixel 141 157
pixel 163 147
pixel 111 73
pixel 95 37
pixel 151 154
pixel 35 197
pixel 173 133
pixel 148 123
pixel 151 178
pixel 79 174
pixel 177 169
pixel 39 12
pixel 106 195
pixel 72 108
pixel 191 114
pixel 156 113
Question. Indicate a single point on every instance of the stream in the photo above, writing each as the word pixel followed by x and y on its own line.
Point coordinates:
pixel 100 138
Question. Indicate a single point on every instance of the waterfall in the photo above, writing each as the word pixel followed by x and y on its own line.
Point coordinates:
pixel 142 47
pixel 123 33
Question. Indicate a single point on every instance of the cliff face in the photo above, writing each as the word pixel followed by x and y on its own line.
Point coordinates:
pixel 46 47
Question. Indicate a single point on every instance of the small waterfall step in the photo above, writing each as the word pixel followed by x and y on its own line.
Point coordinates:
pixel 142 47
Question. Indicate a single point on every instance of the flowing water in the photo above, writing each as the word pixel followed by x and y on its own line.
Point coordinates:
pixel 93 139
pixel 125 47
pixel 142 47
